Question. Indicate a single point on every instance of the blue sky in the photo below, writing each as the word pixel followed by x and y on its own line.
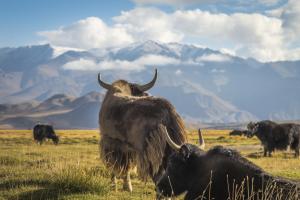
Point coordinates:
pixel 267 30
pixel 20 20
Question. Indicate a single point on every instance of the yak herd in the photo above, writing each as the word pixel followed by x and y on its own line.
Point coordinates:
pixel 145 132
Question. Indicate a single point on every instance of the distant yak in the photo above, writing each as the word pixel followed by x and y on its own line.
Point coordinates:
pixel 275 136
pixel 239 133
pixel 219 173
pixel 41 132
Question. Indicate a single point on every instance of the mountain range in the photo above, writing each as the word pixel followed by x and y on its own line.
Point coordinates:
pixel 204 85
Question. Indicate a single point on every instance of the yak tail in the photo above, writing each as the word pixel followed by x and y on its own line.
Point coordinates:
pixel 201 140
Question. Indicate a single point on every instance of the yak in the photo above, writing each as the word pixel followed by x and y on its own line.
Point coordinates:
pixel 129 119
pixel 275 136
pixel 41 132
pixel 219 173
pixel 239 133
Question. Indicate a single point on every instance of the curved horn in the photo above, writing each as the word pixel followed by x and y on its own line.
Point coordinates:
pixel 172 144
pixel 148 85
pixel 102 83
pixel 201 140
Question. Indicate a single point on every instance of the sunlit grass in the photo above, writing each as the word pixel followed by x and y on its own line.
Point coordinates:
pixel 73 170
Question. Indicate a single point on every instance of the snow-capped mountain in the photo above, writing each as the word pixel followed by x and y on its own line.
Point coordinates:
pixel 203 84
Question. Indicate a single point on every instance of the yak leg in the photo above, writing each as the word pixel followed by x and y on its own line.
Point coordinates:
pixel 114 181
pixel 297 153
pixel 270 153
pixel 127 182
pixel 265 151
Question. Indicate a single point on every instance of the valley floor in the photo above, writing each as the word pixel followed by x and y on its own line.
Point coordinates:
pixel 73 170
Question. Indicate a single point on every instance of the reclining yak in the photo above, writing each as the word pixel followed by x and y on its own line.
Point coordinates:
pixel 219 174
pixel 276 136
pixel 130 136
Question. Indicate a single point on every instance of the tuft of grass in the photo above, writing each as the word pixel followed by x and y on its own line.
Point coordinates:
pixel 8 160
pixel 78 180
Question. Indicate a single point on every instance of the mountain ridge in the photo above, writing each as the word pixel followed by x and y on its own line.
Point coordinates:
pixel 218 87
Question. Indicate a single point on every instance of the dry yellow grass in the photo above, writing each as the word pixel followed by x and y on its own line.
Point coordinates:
pixel 72 169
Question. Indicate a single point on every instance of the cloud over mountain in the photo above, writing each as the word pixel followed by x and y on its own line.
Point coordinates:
pixel 263 36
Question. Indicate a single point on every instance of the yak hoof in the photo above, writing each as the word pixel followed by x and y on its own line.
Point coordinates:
pixel 127 187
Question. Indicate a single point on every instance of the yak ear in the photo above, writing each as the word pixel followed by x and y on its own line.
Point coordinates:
pixel 185 151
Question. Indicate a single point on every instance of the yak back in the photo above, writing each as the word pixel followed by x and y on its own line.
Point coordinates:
pixel 229 163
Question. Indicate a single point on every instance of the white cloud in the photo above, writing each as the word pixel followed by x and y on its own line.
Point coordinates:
pixel 250 35
pixel 88 33
pixel 290 16
pixel 157 60
pixel 135 65
pixel 262 39
pixel 148 23
pixel 220 80
pixel 230 52
pixel 58 50
pixel 218 70
pixel 213 58
pixel 178 72
pixel 266 37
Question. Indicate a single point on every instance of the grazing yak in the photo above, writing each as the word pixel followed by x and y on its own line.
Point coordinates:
pixel 239 133
pixel 276 136
pixel 219 174
pixel 130 136
pixel 42 132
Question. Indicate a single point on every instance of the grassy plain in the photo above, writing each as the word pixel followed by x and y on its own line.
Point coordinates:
pixel 73 170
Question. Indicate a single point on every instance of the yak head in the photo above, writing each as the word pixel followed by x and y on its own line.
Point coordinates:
pixel 125 88
pixel 257 129
pixel 55 139
pixel 51 134
pixel 252 128
pixel 180 168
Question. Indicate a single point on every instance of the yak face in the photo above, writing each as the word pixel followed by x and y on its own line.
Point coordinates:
pixel 261 130
pixel 180 167
pixel 51 134
pixel 254 129
pixel 55 139
pixel 179 171
pixel 250 126
pixel 126 88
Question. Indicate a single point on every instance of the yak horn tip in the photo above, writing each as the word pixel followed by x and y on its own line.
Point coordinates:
pixel 102 83
pixel 149 85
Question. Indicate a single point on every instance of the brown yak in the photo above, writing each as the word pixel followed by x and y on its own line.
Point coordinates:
pixel 129 122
